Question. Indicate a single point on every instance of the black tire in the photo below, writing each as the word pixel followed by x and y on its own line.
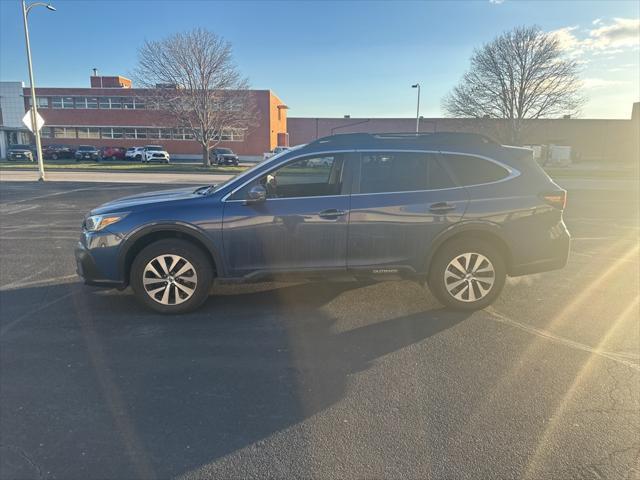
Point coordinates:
pixel 444 290
pixel 189 252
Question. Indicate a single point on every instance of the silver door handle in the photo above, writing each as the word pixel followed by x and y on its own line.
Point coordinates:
pixel 332 213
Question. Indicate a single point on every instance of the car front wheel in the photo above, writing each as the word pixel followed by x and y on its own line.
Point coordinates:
pixel 467 274
pixel 171 276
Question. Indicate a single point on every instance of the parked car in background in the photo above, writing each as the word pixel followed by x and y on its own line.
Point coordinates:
pixel 319 162
pixel 275 151
pixel 21 152
pixel 87 152
pixel 223 156
pixel 134 154
pixel 112 153
pixel 155 153
pixel 55 152
pixel 455 211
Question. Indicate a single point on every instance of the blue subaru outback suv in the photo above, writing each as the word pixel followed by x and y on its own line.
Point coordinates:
pixel 456 211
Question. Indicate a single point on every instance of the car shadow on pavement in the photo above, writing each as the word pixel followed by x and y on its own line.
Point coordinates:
pixel 115 391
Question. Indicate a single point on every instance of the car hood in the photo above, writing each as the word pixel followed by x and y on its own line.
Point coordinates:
pixel 126 203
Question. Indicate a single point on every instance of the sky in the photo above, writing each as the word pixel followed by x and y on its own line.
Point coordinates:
pixel 328 59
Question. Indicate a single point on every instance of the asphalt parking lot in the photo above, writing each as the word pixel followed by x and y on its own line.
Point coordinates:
pixel 333 380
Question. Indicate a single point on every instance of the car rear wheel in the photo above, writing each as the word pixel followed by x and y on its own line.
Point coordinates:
pixel 467 274
pixel 171 276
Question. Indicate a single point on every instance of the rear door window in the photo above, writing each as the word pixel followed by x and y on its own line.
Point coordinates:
pixel 470 170
pixel 402 172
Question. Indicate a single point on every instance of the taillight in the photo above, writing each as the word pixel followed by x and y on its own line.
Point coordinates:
pixel 557 199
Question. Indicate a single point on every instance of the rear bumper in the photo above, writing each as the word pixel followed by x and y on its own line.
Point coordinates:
pixel 557 254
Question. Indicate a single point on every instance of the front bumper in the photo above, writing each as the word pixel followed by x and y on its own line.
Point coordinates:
pixel 20 156
pixel 227 161
pixel 95 256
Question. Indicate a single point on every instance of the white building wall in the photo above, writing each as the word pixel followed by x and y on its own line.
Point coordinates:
pixel 12 104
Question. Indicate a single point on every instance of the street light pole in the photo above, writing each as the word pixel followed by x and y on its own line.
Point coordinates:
pixel 417 85
pixel 34 107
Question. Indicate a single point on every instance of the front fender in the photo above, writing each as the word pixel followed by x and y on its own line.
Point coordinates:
pixel 186 229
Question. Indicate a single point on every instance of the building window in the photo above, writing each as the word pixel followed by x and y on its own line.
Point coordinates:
pixel 165 133
pixel 139 104
pixel 104 102
pixel 141 133
pixel 62 102
pixel 110 132
pixel 127 103
pixel 88 132
pixel 153 133
pixel 231 135
pixel 45 132
pixel 64 132
pixel 87 102
pixel 116 102
pixel 129 133
pixel 43 102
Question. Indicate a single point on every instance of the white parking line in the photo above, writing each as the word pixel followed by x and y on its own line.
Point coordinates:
pixel 5 329
pixel 48 195
pixel 41 282
pixel 619 358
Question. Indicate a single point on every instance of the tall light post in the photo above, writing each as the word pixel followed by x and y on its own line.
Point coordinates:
pixel 417 85
pixel 34 104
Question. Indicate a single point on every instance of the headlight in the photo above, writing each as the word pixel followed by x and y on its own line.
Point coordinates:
pixel 98 222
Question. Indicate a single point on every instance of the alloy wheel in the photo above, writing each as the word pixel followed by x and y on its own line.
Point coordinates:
pixel 169 279
pixel 469 277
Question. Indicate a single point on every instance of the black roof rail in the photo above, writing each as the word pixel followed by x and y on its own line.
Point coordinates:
pixel 409 138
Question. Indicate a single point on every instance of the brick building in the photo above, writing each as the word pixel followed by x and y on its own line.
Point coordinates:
pixel 590 139
pixel 112 113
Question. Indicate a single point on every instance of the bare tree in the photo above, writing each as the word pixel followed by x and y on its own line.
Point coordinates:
pixel 192 78
pixel 520 75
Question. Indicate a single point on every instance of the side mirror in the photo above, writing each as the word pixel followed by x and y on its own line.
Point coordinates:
pixel 257 194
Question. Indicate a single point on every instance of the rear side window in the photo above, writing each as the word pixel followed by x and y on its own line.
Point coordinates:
pixel 469 170
pixel 402 172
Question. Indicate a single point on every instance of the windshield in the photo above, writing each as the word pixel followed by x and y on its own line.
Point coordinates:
pixel 154 148
pixel 224 151
pixel 249 171
pixel 20 146
pixel 86 147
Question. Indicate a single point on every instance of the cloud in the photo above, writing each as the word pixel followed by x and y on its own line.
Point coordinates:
pixel 623 32
pixel 611 38
pixel 567 39
pixel 596 83
pixel 496 2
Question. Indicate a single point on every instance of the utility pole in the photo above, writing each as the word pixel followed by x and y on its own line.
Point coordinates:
pixel 34 104
pixel 417 85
